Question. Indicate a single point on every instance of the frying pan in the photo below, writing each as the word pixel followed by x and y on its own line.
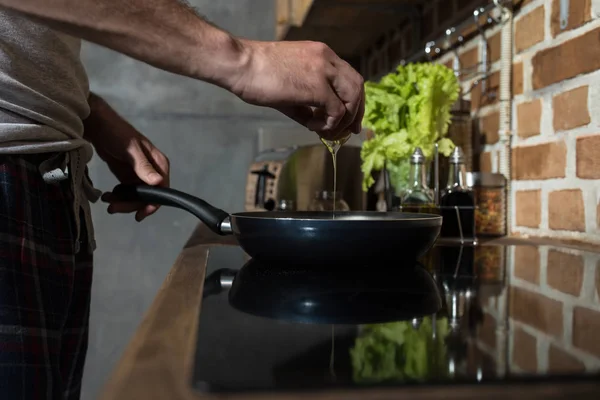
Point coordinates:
pixel 325 296
pixel 352 238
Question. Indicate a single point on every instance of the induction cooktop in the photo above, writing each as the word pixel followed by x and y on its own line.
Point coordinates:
pixel 461 315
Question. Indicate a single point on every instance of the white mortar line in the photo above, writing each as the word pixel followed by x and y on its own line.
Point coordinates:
pixel 595 8
pixel 588 289
pixel 591 361
pixel 543 250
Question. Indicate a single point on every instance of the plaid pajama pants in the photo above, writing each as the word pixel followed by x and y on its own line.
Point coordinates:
pixel 44 286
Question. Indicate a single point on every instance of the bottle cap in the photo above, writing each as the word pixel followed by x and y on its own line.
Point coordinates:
pixel 457 156
pixel 417 157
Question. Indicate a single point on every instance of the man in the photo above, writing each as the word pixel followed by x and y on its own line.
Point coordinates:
pixel 49 122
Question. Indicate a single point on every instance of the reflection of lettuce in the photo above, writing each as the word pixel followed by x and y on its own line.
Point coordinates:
pixel 398 352
pixel 408 108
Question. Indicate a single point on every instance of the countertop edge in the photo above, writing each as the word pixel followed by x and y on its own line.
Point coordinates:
pixel 158 360
pixel 159 350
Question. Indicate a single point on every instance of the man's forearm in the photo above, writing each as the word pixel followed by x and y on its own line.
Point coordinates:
pixel 164 33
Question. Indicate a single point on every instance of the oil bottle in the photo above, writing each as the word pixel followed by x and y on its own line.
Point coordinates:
pixel 418 197
pixel 457 201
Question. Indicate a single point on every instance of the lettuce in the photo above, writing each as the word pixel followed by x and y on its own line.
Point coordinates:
pixel 406 109
pixel 396 352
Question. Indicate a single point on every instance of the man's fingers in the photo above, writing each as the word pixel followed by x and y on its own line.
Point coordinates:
pixel 327 118
pixel 125 207
pixel 144 213
pixel 121 207
pixel 357 124
pixel 348 85
pixel 142 166
pixel 160 162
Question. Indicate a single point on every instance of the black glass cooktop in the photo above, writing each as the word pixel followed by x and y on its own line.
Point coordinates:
pixel 460 315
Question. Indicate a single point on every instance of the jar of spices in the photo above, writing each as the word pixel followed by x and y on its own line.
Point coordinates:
pixel 490 203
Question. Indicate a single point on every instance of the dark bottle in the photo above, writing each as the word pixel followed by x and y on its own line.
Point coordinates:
pixel 458 202
pixel 418 197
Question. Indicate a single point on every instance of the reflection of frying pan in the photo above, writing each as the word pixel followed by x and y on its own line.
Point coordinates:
pixel 324 296
pixel 306 237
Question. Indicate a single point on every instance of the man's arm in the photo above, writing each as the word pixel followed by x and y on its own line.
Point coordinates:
pixel 306 81
pixel 164 33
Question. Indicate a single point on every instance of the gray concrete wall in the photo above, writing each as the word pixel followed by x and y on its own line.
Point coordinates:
pixel 210 137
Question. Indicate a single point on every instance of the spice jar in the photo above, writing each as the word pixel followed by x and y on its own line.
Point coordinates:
pixel 324 201
pixel 490 201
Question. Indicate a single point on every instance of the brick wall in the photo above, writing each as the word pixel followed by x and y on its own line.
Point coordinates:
pixel 556 110
pixel 553 304
pixel 556 118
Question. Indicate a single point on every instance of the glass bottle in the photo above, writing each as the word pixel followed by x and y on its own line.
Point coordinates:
pixel 418 196
pixel 457 201
pixel 323 201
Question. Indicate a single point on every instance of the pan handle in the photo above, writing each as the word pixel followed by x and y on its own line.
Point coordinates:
pixel 216 219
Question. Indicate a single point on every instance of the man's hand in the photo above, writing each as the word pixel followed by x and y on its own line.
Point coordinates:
pixel 130 156
pixel 306 81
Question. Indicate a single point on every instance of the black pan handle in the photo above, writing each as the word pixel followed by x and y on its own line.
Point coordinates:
pixel 213 217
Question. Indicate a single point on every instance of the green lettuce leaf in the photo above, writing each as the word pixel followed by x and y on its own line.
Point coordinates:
pixel 397 352
pixel 413 104
pixel 381 149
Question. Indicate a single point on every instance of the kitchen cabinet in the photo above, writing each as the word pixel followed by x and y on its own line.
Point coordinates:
pixel 290 13
pixel 349 27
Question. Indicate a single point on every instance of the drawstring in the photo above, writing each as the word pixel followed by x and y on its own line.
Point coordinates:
pixel 72 164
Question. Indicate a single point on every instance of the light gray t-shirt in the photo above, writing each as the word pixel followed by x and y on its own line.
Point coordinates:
pixel 43 101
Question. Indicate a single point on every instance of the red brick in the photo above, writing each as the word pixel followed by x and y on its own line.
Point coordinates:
pixel 588 160
pixel 485 162
pixel 565 272
pixel 529 30
pixel 538 311
pixel 579 55
pixel 489 126
pixel 586 325
pixel 469 59
pixel 580 12
pixel 529 208
pixel 479 99
pixel 566 210
pixel 495 47
pixel 527 263
pixel 543 161
pixel 559 361
pixel 525 350
pixel 571 109
pixel 517 78
pixel 529 118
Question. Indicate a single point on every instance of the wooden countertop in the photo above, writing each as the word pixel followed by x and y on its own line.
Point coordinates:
pixel 158 361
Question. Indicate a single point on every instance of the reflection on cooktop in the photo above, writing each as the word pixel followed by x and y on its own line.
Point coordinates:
pixel 325 296
pixel 460 315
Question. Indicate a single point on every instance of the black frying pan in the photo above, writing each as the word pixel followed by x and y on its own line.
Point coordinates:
pixel 306 237
pixel 325 296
